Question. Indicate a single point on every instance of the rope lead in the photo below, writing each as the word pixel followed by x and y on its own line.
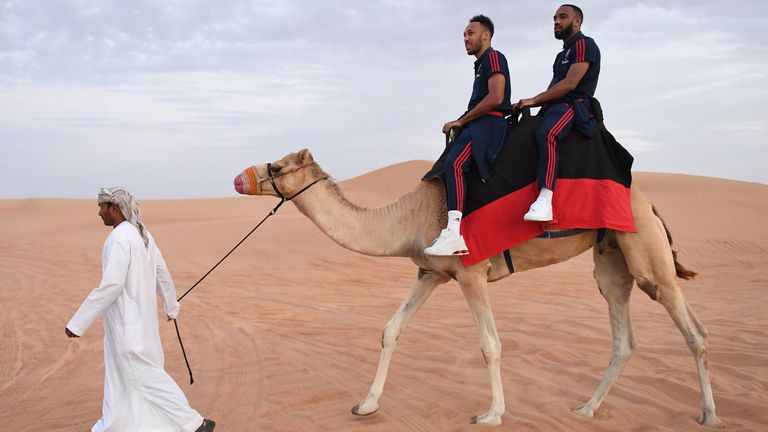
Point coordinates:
pixel 274 210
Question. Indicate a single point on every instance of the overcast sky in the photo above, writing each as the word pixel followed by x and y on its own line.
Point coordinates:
pixel 172 99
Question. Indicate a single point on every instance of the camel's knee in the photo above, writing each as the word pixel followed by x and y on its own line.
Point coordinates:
pixel 391 333
pixel 697 345
pixel 697 342
pixel 623 339
pixel 622 352
pixel 698 327
pixel 491 350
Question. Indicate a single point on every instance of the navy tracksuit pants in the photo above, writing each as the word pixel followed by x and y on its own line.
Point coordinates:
pixel 456 167
pixel 480 141
pixel 555 125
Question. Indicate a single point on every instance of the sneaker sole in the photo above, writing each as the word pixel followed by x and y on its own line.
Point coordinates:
pixel 457 253
pixel 532 219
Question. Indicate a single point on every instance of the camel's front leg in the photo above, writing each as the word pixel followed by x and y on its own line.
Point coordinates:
pixel 422 287
pixel 474 285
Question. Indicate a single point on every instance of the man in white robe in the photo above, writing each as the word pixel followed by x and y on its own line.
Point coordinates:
pixel 139 395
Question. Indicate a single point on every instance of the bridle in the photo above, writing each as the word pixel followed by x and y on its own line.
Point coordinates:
pixel 272 178
pixel 283 199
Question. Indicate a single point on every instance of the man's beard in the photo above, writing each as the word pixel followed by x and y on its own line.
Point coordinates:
pixel 564 33
pixel 473 49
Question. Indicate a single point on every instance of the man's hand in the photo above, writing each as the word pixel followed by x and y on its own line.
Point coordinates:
pixel 70 334
pixel 523 103
pixel 451 124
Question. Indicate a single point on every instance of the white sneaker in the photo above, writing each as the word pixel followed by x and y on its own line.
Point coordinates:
pixel 540 211
pixel 447 244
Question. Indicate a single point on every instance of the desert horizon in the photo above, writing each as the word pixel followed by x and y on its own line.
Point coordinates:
pixel 285 334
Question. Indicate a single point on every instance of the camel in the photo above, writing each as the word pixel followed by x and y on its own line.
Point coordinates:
pixel 406 226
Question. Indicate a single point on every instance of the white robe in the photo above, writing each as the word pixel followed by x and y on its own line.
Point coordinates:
pixel 139 396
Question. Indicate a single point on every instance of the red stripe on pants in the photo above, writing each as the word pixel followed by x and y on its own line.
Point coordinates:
pixel 551 145
pixel 458 174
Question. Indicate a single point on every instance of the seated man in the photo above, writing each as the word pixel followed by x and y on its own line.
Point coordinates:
pixel 565 103
pixel 483 134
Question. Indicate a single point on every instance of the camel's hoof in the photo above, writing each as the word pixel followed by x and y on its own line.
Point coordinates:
pixel 486 419
pixel 358 412
pixel 710 420
pixel 584 412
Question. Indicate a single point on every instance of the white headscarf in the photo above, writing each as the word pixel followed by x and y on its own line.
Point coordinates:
pixel 128 206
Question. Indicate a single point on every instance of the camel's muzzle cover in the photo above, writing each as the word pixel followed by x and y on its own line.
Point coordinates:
pixel 247 183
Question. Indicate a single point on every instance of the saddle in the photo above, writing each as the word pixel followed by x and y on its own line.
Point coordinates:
pixel 594 177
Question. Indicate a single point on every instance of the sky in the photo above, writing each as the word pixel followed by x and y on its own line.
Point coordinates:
pixel 172 98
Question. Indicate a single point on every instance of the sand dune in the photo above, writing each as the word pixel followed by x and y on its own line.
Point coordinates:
pixel 284 336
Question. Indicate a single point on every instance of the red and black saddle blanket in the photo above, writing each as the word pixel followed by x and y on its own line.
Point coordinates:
pixel 592 191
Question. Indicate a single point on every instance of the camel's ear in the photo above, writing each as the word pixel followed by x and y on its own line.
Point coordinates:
pixel 305 157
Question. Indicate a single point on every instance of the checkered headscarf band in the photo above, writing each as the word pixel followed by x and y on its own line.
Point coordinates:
pixel 128 206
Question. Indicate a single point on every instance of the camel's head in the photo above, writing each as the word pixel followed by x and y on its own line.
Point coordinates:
pixel 286 176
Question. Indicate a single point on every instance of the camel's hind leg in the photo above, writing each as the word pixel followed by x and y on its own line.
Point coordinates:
pixel 615 284
pixel 650 261
pixel 422 287
pixel 696 338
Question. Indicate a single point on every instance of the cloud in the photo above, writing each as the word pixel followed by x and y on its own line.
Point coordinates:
pixel 199 88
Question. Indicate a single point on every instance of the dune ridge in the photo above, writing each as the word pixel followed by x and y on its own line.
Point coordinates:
pixel 284 336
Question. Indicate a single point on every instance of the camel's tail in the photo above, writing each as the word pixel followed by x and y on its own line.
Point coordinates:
pixel 681 271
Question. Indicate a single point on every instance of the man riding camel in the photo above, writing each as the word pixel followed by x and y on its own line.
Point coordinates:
pixel 566 103
pixel 484 128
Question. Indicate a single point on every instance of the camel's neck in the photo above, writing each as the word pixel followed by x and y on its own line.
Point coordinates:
pixel 391 230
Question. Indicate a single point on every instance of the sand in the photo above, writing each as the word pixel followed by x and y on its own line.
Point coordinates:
pixel 285 335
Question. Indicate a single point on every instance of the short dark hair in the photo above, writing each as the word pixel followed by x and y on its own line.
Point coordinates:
pixel 576 9
pixel 483 21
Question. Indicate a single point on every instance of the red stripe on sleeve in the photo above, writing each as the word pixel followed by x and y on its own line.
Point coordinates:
pixel 494 56
pixel 578 52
